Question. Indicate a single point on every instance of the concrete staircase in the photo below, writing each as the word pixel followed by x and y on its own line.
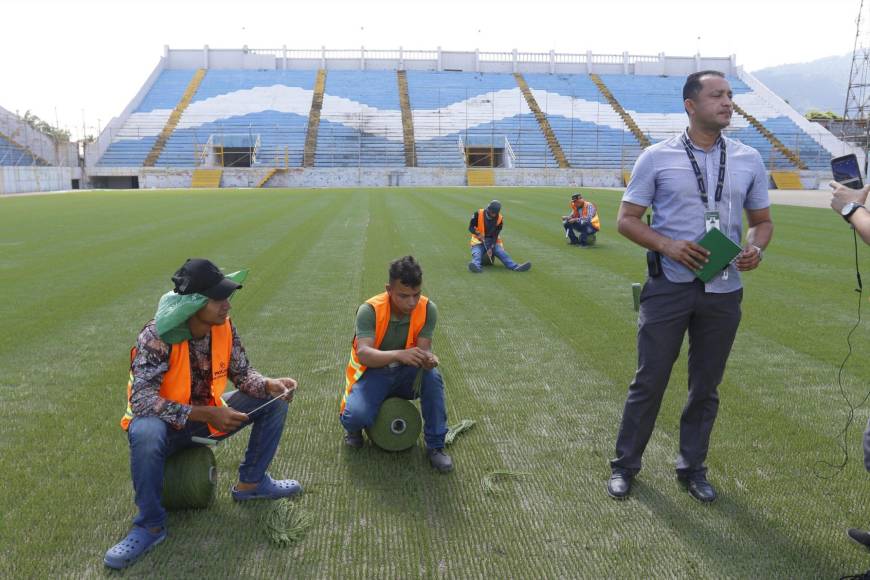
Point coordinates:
pixel 777 144
pixel 478 177
pixel 552 142
pixel 207 178
pixel 269 175
pixel 786 179
pixel 626 118
pixel 407 120
pixel 314 120
pixel 174 118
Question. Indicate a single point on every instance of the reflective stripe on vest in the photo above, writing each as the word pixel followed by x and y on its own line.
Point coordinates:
pixel 596 223
pixel 381 304
pixel 481 227
pixel 176 384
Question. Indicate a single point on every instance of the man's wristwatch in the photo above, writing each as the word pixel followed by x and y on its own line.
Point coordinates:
pixel 760 252
pixel 849 209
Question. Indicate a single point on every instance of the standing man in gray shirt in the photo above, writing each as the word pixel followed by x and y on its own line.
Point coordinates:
pixel 693 182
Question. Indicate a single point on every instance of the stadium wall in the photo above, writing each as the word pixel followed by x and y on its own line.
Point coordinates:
pixel 62 154
pixel 160 178
pixel 32 179
pixel 443 60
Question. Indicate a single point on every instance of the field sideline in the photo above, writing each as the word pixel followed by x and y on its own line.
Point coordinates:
pixel 540 360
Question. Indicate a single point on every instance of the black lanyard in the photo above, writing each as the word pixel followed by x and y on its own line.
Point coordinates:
pixel 702 187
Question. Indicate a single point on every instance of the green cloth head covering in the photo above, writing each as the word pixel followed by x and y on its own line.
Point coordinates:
pixel 174 310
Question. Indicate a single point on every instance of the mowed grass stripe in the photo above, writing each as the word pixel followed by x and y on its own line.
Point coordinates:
pixel 322 253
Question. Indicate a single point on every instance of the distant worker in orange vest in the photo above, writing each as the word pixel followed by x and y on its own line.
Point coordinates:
pixel 392 346
pixel 485 227
pixel 176 394
pixel 582 223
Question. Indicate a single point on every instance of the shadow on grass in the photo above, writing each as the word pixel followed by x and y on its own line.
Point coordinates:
pixel 746 544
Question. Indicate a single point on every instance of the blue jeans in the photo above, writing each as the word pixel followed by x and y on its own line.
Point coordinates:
pixel 376 385
pixel 584 229
pixel 497 252
pixel 153 440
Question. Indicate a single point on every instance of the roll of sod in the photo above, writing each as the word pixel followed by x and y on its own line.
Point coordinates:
pixel 397 426
pixel 189 479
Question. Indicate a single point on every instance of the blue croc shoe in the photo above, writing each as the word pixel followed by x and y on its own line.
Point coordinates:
pixel 269 488
pixel 138 542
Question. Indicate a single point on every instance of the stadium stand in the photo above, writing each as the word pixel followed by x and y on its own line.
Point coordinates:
pixel 361 121
pixel 591 133
pixel 12 153
pixel 451 109
pixel 266 110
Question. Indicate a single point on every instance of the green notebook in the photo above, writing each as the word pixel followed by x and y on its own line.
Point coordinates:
pixel 722 251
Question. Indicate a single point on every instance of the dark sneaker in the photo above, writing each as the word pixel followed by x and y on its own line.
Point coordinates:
pixel 860 536
pixel 472 267
pixel 524 267
pixel 698 487
pixel 590 240
pixel 619 485
pixel 354 440
pixel 440 460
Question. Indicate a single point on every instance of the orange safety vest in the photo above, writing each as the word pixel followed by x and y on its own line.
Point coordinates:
pixel 596 223
pixel 481 227
pixel 381 304
pixel 176 381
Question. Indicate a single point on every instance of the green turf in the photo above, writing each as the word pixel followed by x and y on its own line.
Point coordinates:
pixel 540 360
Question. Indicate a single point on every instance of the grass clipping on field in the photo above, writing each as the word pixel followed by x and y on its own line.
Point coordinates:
pixel 492 481
pixel 286 523
pixel 457 429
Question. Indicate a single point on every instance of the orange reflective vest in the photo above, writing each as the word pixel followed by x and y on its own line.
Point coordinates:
pixel 381 304
pixel 176 381
pixel 575 213
pixel 481 227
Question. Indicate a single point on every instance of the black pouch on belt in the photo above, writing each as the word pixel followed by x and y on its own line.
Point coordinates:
pixel 653 264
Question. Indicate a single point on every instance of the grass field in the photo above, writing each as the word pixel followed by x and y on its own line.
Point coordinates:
pixel 540 360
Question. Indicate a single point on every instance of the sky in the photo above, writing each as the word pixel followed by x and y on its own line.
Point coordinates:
pixel 78 63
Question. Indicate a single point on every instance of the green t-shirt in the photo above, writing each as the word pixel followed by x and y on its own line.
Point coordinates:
pixel 397 328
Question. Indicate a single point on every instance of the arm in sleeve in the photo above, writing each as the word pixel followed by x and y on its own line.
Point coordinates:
pixel 242 374
pixel 149 367
pixel 642 185
pixel 428 330
pixel 757 196
pixel 472 225
pixel 365 321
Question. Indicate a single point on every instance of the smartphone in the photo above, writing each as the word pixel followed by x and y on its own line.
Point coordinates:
pixel 846 171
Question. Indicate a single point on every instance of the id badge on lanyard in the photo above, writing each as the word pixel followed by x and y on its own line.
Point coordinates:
pixel 711 219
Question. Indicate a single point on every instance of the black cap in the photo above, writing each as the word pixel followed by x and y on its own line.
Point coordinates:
pixel 576 195
pixel 200 276
pixel 494 206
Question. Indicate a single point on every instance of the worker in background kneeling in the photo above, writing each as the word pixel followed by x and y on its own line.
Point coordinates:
pixel 485 227
pixel 582 224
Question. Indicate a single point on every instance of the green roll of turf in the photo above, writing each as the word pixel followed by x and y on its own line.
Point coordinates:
pixel 397 426
pixel 189 479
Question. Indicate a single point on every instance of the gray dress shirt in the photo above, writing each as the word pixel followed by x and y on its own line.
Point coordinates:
pixel 663 178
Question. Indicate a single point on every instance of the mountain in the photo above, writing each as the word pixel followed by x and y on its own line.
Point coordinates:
pixel 819 85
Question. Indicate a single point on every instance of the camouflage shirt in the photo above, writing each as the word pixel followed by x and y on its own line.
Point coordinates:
pixel 152 362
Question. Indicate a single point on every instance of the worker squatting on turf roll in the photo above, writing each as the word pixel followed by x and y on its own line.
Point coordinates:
pixel 175 399
pixel 391 353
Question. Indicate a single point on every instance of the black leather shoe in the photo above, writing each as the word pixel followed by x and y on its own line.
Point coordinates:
pixel 619 485
pixel 860 536
pixel 699 488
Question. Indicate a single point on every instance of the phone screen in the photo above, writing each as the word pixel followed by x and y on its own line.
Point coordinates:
pixel 846 171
